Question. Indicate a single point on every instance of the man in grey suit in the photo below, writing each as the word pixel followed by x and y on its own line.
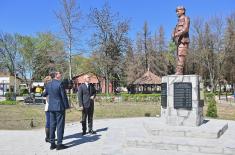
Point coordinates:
pixel 58 103
pixel 86 96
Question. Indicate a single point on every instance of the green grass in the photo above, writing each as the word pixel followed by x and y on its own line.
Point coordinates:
pixel 18 117
pixel 126 110
pixel 8 102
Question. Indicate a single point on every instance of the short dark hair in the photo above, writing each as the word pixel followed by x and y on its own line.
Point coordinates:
pixel 52 74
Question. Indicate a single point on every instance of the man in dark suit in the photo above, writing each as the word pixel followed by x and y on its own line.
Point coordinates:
pixel 58 103
pixel 86 96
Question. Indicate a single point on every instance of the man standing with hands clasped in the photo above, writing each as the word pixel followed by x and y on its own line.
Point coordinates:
pixel 58 103
pixel 86 96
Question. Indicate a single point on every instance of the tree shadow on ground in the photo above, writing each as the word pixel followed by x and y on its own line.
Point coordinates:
pixel 80 139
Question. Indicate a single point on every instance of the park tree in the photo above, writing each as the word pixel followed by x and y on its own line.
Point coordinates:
pixel 9 53
pixel 49 56
pixel 82 64
pixel 143 45
pixel 151 51
pixel 27 52
pixel 193 64
pixel 159 37
pixel 69 17
pixel 206 48
pixel 208 56
pixel 40 55
pixel 229 39
pixel 170 58
pixel 109 42
pixel 158 50
pixel 130 65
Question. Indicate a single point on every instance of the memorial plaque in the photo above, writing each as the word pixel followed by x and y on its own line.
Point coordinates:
pixel 183 95
pixel 164 95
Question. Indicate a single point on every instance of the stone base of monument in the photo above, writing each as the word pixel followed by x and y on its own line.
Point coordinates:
pixel 210 129
pixel 181 104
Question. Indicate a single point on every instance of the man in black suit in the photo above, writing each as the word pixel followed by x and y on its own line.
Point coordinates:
pixel 86 96
pixel 58 103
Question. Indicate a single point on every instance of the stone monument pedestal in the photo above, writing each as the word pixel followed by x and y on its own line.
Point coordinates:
pixel 180 101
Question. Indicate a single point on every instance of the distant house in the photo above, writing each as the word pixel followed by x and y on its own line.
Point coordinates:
pixel 147 83
pixel 98 81
pixel 7 82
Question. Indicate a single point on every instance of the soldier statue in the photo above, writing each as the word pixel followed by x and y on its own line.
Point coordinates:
pixel 180 36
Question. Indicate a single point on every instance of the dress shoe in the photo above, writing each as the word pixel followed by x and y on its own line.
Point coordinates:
pixel 47 140
pixel 92 132
pixel 61 147
pixel 53 146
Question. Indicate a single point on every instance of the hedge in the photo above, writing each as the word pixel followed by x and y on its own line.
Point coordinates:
pixel 8 102
pixel 128 98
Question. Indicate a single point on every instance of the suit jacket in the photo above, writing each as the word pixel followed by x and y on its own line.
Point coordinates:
pixel 58 100
pixel 84 94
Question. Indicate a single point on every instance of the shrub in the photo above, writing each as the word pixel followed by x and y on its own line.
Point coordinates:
pixel 23 91
pixel 212 109
pixel 128 97
pixel 141 97
pixel 10 96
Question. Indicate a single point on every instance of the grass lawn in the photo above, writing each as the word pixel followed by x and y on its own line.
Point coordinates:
pixel 19 116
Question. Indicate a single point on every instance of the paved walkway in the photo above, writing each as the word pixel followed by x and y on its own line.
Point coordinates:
pixel 114 137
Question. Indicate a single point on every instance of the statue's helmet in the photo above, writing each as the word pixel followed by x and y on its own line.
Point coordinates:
pixel 180 8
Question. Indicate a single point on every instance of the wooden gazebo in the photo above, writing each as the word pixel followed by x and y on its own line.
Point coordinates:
pixel 147 83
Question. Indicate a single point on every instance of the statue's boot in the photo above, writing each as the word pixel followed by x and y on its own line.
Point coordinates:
pixel 179 70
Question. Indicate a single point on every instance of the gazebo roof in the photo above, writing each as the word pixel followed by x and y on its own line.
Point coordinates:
pixel 148 78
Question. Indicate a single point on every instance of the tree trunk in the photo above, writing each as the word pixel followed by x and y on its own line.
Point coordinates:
pixel 219 90
pixel 106 83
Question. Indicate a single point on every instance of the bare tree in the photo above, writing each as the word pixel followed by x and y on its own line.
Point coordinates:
pixel 9 54
pixel 158 52
pixel 69 18
pixel 229 62
pixel 9 51
pixel 109 41
pixel 208 49
pixel 143 44
pixel 130 65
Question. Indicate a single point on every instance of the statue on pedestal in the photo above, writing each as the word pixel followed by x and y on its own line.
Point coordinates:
pixel 180 36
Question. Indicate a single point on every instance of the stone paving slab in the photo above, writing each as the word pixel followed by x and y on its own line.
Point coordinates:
pixel 141 151
pixel 112 138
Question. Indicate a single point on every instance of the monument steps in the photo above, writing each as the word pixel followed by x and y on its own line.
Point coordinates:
pixel 205 139
pixel 211 129
pixel 182 144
